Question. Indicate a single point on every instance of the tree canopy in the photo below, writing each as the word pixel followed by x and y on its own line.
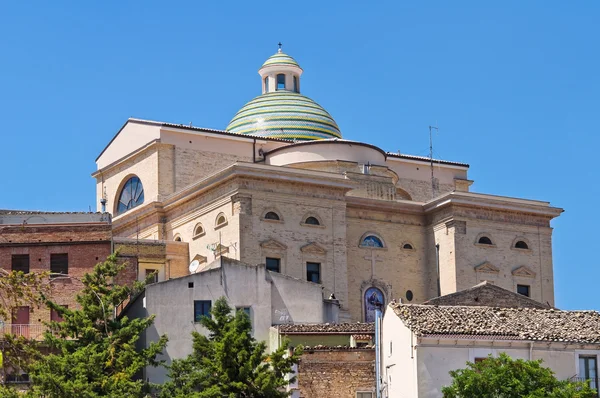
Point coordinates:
pixel 230 362
pixel 504 377
pixel 92 352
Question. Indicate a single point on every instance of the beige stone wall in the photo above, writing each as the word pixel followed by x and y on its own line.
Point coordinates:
pixel 396 270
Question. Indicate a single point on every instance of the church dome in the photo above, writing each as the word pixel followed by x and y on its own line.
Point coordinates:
pixel 280 59
pixel 281 111
pixel 284 114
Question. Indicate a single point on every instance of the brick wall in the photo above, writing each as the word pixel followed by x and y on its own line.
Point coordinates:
pixel 336 373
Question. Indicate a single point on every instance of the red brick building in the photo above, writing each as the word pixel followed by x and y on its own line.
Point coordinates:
pixel 61 243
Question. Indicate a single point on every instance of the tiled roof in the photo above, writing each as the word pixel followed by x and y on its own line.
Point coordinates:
pixel 530 324
pixel 336 348
pixel 328 328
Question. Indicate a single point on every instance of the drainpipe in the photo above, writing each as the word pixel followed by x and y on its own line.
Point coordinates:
pixel 378 349
pixel 437 268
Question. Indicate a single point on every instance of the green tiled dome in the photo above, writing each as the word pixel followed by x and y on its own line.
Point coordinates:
pixel 280 59
pixel 284 114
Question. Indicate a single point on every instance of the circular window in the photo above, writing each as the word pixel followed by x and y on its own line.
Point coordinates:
pixel 409 295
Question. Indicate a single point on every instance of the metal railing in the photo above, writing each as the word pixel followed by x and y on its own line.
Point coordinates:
pixel 29 331
pixel 592 382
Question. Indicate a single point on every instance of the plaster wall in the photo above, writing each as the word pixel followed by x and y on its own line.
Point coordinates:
pixel 322 151
pixel 133 136
pixel 398 361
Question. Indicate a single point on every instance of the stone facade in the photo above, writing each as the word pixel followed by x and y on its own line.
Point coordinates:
pixel 336 373
pixel 354 190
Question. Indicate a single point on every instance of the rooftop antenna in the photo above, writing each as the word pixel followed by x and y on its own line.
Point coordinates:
pixel 431 158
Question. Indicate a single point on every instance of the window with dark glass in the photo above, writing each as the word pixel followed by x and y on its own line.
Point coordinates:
pixel 296 84
pixel 201 308
pixel 272 216
pixel 484 240
pixel 20 262
pixel 588 370
pixel 132 195
pixel 59 264
pixel 313 272
pixel 372 241
pixel 407 246
pixel 281 82
pixel 523 289
pixel 246 311
pixel 273 264
pixel 312 221
pixel 267 84
pixel 521 245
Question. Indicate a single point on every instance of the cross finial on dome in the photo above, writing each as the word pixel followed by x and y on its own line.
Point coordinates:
pixel 279 44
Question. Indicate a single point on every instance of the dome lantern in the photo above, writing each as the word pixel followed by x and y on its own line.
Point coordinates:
pixel 280 72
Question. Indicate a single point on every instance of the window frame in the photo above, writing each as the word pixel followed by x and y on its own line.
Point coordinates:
pixel 220 224
pixel 202 303
pixel 361 394
pixel 266 81
pixel 278 259
pixel 54 273
pixel 121 191
pixel 277 82
pixel 318 272
pixel 20 267
pixel 199 234
pixel 374 235
pixel 519 285
pixel 486 236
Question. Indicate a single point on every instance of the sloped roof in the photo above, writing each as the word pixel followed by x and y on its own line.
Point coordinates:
pixel 487 294
pixel 328 328
pixel 529 324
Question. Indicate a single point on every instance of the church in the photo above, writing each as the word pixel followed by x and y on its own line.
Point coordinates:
pixel 279 187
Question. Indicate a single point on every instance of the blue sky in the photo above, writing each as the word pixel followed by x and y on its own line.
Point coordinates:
pixel 513 86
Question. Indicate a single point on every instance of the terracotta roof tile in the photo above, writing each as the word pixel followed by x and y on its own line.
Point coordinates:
pixel 333 328
pixel 508 323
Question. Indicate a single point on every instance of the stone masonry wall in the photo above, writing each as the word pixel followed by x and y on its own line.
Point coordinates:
pixel 336 373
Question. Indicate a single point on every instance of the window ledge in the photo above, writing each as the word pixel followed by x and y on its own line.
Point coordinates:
pixel 199 235
pixel 518 249
pixel 373 248
pixel 221 225
pixel 271 221
pixel 312 225
pixel 485 245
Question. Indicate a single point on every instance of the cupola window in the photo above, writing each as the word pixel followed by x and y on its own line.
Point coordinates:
pixel 267 84
pixel 132 195
pixel 296 84
pixel 281 81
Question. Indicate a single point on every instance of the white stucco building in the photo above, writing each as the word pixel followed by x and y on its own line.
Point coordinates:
pixel 421 344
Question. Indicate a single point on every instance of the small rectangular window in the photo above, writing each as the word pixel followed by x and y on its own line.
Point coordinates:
pixel 523 289
pixel 364 394
pixel 59 264
pixel 477 360
pixel 201 308
pixel 273 264
pixel 20 262
pixel 247 311
pixel 55 317
pixel 313 272
pixel 280 82
pixel 267 84
pixel 296 84
pixel 154 274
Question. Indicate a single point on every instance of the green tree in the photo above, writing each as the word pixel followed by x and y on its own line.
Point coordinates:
pixel 93 354
pixel 503 377
pixel 230 362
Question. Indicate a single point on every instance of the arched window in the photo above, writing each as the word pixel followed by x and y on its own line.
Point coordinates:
pixel 221 220
pixel 407 246
pixel 131 195
pixel 198 230
pixel 296 84
pixel 281 81
pixel 371 241
pixel 521 245
pixel 312 221
pixel 271 215
pixel 484 240
pixel 373 298
pixel 177 238
pixel 267 84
